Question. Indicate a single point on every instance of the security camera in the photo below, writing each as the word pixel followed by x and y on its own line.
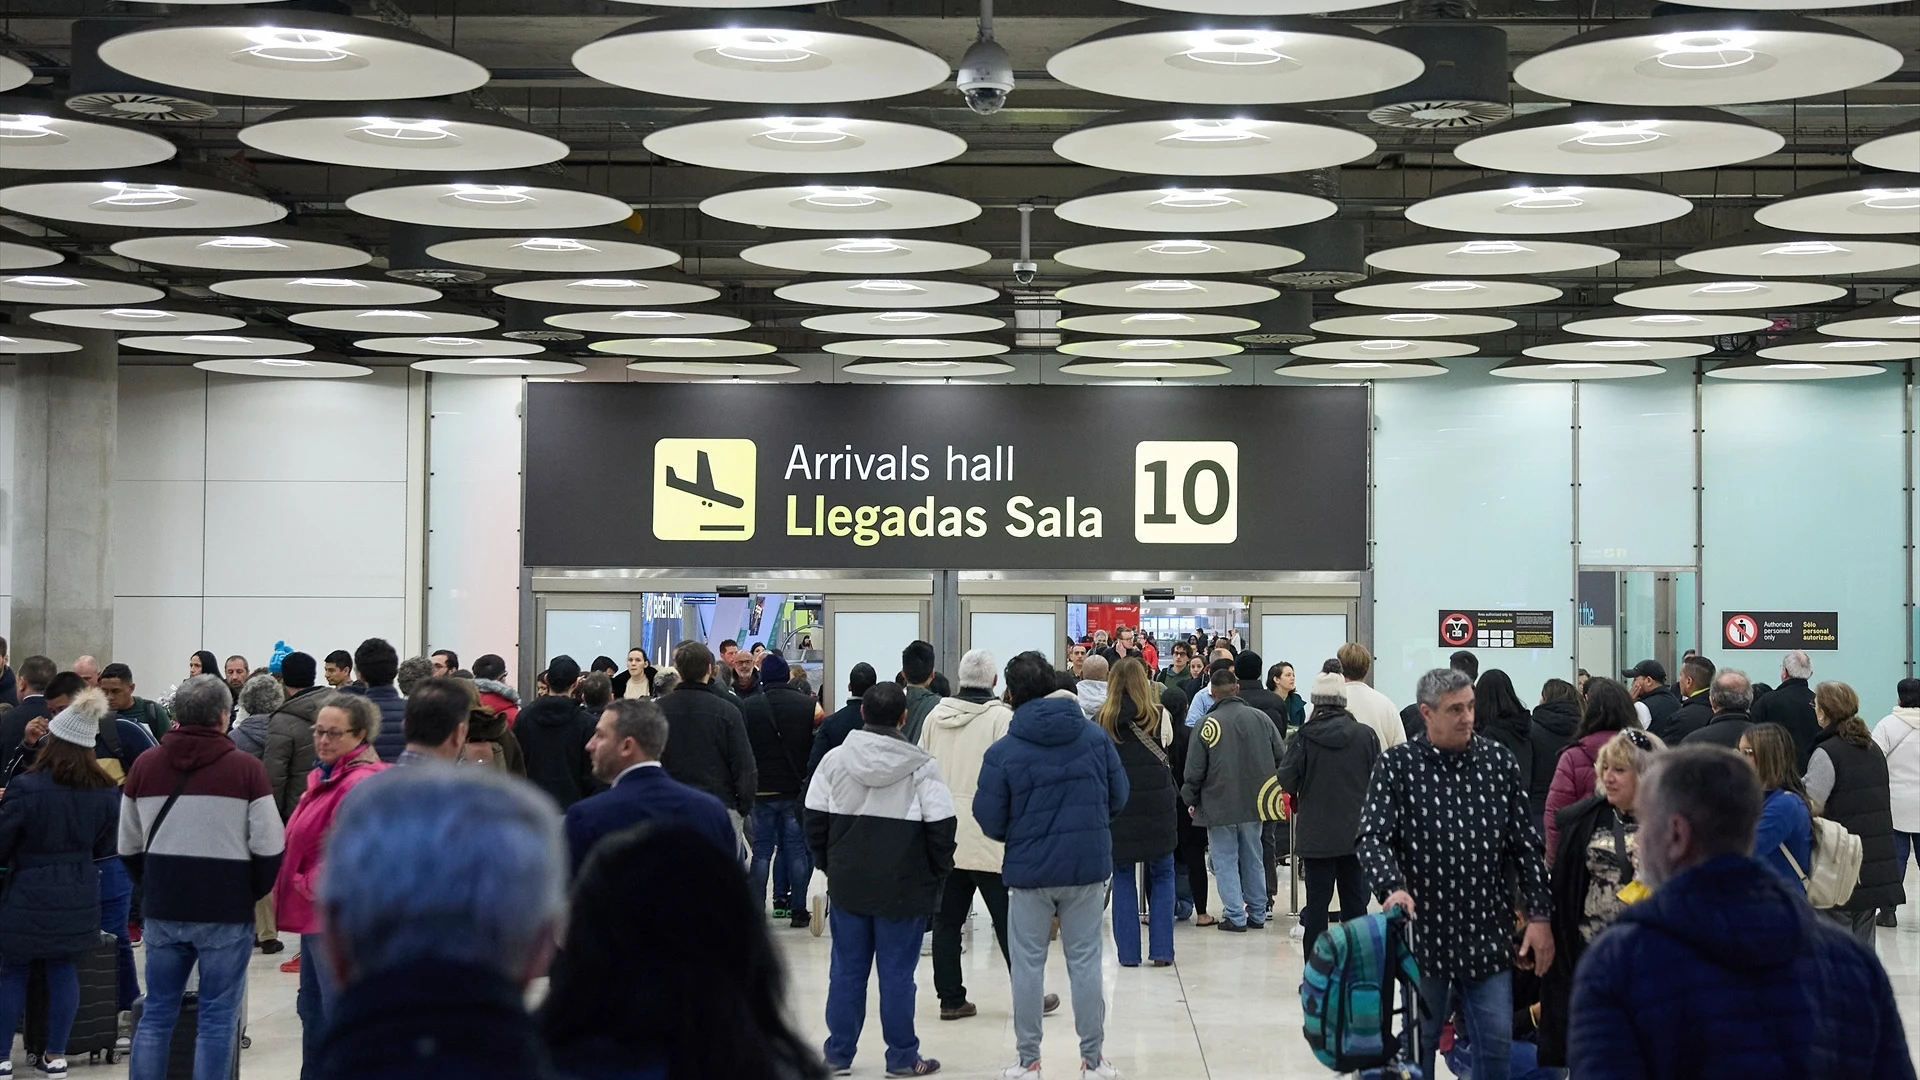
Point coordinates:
pixel 985 77
pixel 1023 272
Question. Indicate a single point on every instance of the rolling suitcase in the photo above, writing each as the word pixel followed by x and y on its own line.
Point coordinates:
pixel 96 1027
pixel 186 1032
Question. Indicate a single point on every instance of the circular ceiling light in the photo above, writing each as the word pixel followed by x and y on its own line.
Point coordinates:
pixel 174 318
pixel 72 291
pixel 1547 204
pixel 489 201
pixel 335 290
pixel 624 291
pixel 926 369
pixel 1789 371
pixel 1363 350
pixel 1149 348
pixel 284 367
pixel 1910 298
pixel 1102 368
pixel 904 321
pixel 1434 254
pixel 1666 325
pixel 1175 204
pixel 1613 140
pixel 651 322
pixel 1884 319
pixel 1211 140
pixel 1688 291
pixel 1256 7
pixel 517 367
pixel 574 251
pixel 1414 324
pixel 403 320
pixel 865 254
pixel 19 338
pixel 804 139
pixel 265 250
pixel 683 348
pixel 1243 61
pixel 1164 294
pixel 13 73
pixel 1773 253
pixel 251 342
pixel 448 345
pixel 1161 323
pixel 718 369
pixel 1416 294
pixel 886 292
pixel 1359 370
pixel 1896 149
pixel 436 135
pixel 1708 58
pixel 838 203
pixel 782 57
pixel 1875 203
pixel 1615 350
pixel 39 134
pixel 280 53
pixel 1170 255
pixel 1825 349
pixel 18 255
pixel 917 348
pixel 1575 370
pixel 143 199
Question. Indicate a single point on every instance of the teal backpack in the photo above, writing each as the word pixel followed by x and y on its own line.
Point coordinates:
pixel 1348 994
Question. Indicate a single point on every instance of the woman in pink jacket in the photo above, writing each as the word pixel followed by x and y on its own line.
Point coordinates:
pixel 1608 709
pixel 343 733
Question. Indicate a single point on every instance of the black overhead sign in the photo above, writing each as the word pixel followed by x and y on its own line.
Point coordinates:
pixel 966 477
pixel 1466 628
pixel 1816 631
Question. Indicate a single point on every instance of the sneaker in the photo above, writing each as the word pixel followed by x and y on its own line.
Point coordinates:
pixel 1887 918
pixel 273 945
pixel 52 1068
pixel 1298 933
pixel 839 1070
pixel 6 1070
pixel 1017 1071
pixel 801 921
pixel 782 909
pixel 1231 927
pixel 291 967
pixel 960 1011
pixel 1251 925
pixel 1102 1069
pixel 133 932
pixel 817 925
pixel 1049 1005
pixel 923 1067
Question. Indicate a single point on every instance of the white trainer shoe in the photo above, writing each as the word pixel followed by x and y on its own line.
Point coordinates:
pixel 1017 1071
pixel 1100 1070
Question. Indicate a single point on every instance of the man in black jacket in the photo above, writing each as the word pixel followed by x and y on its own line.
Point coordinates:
pixel 707 743
pixel 1791 705
pixel 35 673
pixel 1653 699
pixel 1730 697
pixel 835 728
pixel 553 733
pixel 1251 670
pixel 779 723
pixel 1326 768
pixel 1696 675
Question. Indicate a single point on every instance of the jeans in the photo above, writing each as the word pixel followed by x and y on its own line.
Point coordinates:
pixel 314 999
pixel 776 822
pixel 1859 924
pixel 173 948
pixel 956 902
pixel 1126 911
pixel 116 900
pixel 1323 876
pixel 1236 869
pixel 862 943
pixel 1903 844
pixel 1030 915
pixel 63 1001
pixel 1488 1008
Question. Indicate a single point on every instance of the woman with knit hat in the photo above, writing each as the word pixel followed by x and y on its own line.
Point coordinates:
pixel 1326 769
pixel 56 820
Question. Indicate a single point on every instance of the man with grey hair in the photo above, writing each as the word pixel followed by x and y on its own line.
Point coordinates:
pixel 443 894
pixel 412 672
pixel 1447 823
pixel 626 747
pixel 203 872
pixel 1724 970
pixel 1791 705
pixel 88 669
pixel 1731 696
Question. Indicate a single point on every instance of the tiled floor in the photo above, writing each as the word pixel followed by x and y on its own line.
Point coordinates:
pixel 1228 1009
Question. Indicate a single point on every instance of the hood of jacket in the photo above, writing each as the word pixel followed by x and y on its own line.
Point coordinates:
pixel 306 704
pixel 1512 726
pixel 1054 720
pixel 878 759
pixel 189 746
pixel 958 712
pixel 1732 910
pixel 1908 715
pixel 496 687
pixel 1325 729
pixel 1091 695
pixel 485 725
pixel 1559 717
pixel 550 711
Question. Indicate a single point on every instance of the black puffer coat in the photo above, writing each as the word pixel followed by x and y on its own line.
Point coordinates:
pixel 1513 731
pixel 49 838
pixel 1145 829
pixel 1862 802
pixel 1327 767
pixel 1553 726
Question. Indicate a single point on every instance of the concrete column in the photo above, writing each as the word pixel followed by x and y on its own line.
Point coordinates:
pixel 65 427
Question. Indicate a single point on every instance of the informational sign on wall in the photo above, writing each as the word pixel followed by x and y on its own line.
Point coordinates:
pixel 1814 631
pixel 973 477
pixel 1466 628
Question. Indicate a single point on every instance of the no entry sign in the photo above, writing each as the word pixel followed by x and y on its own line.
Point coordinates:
pixel 1815 631
pixel 1464 628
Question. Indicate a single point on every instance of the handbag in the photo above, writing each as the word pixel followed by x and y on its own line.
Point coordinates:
pixel 1834 870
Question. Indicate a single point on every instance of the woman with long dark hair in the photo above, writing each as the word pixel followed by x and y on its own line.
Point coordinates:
pixel 627 1001
pixel 1499 715
pixel 202 663
pixel 1784 838
pixel 1608 708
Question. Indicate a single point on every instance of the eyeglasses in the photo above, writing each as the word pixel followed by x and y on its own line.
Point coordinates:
pixel 330 733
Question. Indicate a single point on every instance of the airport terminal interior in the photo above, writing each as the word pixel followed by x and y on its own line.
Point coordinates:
pixel 1579 337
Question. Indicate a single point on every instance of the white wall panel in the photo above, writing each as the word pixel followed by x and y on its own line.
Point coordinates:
pixel 473 515
pixel 317 625
pixel 308 429
pixel 6 495
pixel 154 635
pixel 163 424
pixel 306 539
pixel 157 534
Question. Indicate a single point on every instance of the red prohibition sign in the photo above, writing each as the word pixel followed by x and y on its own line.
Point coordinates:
pixel 1456 629
pixel 1742 631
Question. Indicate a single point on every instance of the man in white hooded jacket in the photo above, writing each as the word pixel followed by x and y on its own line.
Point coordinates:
pixel 1898 736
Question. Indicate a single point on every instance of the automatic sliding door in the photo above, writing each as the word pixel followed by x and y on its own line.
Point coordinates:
pixel 872 630
pixel 1007 626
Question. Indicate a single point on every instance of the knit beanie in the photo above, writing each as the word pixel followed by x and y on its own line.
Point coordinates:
pixel 1329 689
pixel 775 671
pixel 79 723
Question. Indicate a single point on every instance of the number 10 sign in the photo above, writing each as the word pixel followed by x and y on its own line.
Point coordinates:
pixel 1186 492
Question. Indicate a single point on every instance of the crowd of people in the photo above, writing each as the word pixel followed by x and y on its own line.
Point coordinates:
pixel 1625 879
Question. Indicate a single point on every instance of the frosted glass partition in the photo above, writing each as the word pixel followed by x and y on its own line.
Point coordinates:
pixel 1473 508
pixel 1007 634
pixel 584 635
pixel 1305 641
pixel 1637 621
pixel 872 637
pixel 1805 511
pixel 1636 470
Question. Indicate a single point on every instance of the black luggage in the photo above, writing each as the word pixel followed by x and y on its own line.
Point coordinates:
pixel 96 1027
pixel 186 1032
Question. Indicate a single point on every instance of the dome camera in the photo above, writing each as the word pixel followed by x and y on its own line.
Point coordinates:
pixel 1024 271
pixel 985 77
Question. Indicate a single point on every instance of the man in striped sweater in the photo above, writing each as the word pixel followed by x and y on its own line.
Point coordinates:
pixel 199 829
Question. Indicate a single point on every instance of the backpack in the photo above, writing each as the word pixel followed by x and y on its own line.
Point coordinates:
pixel 1347 993
pixel 110 734
pixel 1835 868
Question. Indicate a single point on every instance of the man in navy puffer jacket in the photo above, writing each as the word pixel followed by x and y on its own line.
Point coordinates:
pixel 1050 790
pixel 1725 971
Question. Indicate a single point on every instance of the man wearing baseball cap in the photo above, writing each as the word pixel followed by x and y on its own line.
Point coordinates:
pixel 1653 700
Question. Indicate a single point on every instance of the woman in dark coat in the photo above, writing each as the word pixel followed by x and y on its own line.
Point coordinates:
pixel 1554 721
pixel 1326 768
pixel 1847 782
pixel 1145 830
pixel 1190 853
pixel 1499 715
pixel 56 820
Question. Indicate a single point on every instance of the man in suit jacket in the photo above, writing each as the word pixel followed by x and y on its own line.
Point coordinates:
pixel 626 748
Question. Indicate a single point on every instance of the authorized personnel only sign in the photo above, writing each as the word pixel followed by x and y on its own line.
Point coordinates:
pixel 1473 628
pixel 1814 631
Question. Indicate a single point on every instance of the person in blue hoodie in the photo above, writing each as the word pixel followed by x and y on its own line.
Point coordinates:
pixel 1725 971
pixel 1050 790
